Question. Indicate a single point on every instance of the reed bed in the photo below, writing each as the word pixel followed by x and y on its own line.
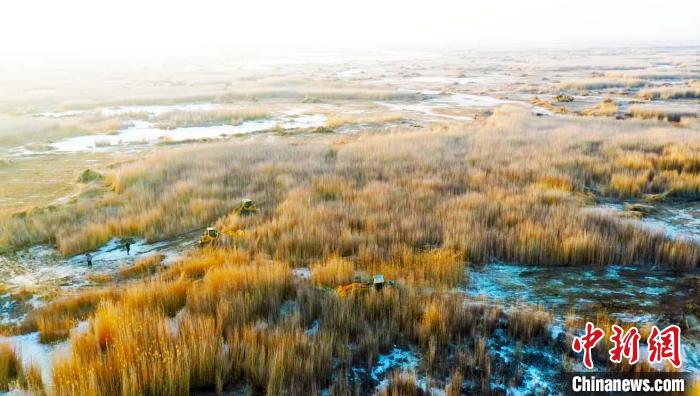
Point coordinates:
pixel 508 188
pixel 663 113
pixel 238 327
pixel 653 74
pixel 415 206
pixel 222 116
pixel 599 83
pixel 688 91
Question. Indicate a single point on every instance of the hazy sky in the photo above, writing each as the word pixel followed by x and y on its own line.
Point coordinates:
pixel 118 25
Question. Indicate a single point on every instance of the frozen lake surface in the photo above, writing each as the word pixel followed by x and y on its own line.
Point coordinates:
pixel 631 295
pixel 144 132
pixel 678 220
pixel 28 273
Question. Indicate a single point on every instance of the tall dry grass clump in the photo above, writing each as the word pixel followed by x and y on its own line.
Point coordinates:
pixel 525 323
pixel 333 272
pixel 10 366
pixel 402 384
pixel 55 320
pixel 662 113
pixel 598 83
pixel 283 361
pixel 137 351
pixel 228 116
pixel 14 375
pixel 134 354
pixel 218 283
pixel 689 91
pixel 670 170
pixel 205 351
pixel 434 267
pixel 34 380
pixel 166 297
pixel 454 388
pixel 194 266
pixel 606 108
pixel 627 185
pixel 148 265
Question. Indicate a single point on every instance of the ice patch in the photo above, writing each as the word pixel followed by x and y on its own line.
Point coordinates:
pixel 535 382
pixel 397 358
pixel 144 132
pixel 313 330
pixel 31 351
pixel 43 264
pixel 681 221
pixel 29 273
pixel 628 292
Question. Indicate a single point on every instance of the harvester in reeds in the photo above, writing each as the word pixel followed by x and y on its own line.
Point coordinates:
pixel 212 235
pixel 359 286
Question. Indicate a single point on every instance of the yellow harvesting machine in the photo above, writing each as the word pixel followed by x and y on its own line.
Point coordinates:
pixel 377 283
pixel 246 207
pixel 211 234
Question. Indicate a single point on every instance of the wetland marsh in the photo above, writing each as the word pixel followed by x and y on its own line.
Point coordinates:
pixel 498 209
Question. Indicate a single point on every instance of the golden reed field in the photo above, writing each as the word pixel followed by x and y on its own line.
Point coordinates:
pixel 506 199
